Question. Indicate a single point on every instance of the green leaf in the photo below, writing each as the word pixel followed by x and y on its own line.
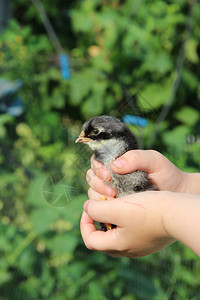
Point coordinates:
pixel 94 105
pixel 73 212
pixel 176 139
pixel 157 62
pixel 80 21
pixel 80 85
pixel 5 118
pixel 190 80
pixel 135 34
pixel 191 50
pixel 156 95
pixel 65 243
pixel 96 291
pixel 42 219
pixel 34 192
pixel 187 115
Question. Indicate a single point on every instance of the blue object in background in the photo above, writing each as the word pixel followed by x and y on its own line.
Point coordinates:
pixel 10 103
pixel 16 107
pixel 64 66
pixel 135 120
pixel 8 87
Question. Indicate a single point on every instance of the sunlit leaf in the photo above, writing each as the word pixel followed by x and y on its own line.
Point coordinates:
pixel 188 115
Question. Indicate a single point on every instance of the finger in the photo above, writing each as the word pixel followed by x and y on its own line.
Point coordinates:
pixel 99 185
pixel 133 160
pixel 95 239
pixel 92 194
pixel 115 210
pixel 100 170
pixel 105 211
pixel 87 227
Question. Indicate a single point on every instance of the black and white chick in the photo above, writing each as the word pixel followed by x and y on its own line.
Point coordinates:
pixel 109 138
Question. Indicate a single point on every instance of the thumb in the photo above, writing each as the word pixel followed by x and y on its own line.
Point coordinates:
pixel 145 160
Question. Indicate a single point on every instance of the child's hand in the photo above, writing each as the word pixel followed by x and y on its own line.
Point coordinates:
pixel 165 175
pixel 146 222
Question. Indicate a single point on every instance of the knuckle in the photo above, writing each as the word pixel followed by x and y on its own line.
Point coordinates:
pixel 131 155
pixel 131 158
pixel 154 152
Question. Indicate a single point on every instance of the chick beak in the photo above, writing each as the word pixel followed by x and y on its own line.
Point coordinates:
pixel 82 138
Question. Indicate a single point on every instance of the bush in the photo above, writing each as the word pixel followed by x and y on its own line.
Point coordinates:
pixel 140 58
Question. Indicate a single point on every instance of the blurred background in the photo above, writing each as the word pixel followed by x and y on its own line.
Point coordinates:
pixel 62 62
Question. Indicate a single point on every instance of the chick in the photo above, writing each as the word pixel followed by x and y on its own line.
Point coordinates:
pixel 109 138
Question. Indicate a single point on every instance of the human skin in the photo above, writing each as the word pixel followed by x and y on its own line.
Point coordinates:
pixel 163 173
pixel 148 221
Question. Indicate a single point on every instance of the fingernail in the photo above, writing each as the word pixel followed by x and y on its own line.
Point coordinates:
pixel 119 163
pixel 85 205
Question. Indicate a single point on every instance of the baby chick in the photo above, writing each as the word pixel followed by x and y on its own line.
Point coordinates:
pixel 109 138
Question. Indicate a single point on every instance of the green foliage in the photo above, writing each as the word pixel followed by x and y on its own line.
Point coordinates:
pixel 117 49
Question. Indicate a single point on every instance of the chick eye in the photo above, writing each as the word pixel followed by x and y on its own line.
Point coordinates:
pixel 96 131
